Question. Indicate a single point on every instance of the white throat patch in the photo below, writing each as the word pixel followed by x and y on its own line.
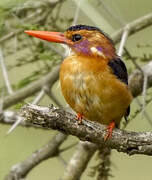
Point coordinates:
pixel 68 50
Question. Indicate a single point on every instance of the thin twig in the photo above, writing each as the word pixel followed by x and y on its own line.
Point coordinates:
pixel 16 123
pixel 1 109
pixel 18 31
pixel 68 147
pixel 39 97
pixel 62 54
pixel 62 160
pixel 149 119
pixel 19 120
pixel 32 88
pixel 123 40
pixel 47 80
pixel 113 15
pixel 5 74
pixel 52 96
pixel 76 13
pixel 134 27
pixel 132 59
pixel 144 92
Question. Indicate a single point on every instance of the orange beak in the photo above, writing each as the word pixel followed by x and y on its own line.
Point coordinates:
pixel 49 36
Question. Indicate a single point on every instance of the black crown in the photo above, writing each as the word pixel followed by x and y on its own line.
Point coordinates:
pixel 89 28
pixel 81 27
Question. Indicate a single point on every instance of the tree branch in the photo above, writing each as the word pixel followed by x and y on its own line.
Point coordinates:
pixel 136 79
pixel 32 88
pixel 5 73
pixel 79 161
pixel 51 149
pixel 54 118
pixel 134 26
pixel 104 165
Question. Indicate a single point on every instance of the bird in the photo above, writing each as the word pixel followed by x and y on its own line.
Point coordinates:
pixel 93 78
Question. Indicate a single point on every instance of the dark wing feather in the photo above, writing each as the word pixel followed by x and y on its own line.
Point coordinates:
pixel 127 113
pixel 119 69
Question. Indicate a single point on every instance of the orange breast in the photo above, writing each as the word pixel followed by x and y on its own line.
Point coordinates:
pixel 91 89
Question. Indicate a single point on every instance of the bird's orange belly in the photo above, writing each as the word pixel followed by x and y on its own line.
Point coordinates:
pixel 98 96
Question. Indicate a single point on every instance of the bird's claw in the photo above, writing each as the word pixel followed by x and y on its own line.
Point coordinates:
pixel 110 128
pixel 79 118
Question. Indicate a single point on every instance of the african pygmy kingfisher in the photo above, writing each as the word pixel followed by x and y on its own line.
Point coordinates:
pixel 94 80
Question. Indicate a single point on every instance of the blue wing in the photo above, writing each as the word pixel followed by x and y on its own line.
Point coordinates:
pixel 120 71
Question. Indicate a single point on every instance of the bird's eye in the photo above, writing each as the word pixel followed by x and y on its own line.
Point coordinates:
pixel 76 37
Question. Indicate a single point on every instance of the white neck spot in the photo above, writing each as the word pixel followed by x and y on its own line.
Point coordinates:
pixel 94 50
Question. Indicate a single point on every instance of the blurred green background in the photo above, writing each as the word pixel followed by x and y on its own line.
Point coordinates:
pixel 22 142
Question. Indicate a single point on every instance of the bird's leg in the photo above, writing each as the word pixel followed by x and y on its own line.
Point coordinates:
pixel 79 118
pixel 110 128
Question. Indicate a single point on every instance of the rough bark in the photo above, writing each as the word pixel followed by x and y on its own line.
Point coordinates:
pixel 54 118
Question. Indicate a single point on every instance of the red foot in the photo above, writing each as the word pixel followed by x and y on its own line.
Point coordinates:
pixel 79 118
pixel 109 130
